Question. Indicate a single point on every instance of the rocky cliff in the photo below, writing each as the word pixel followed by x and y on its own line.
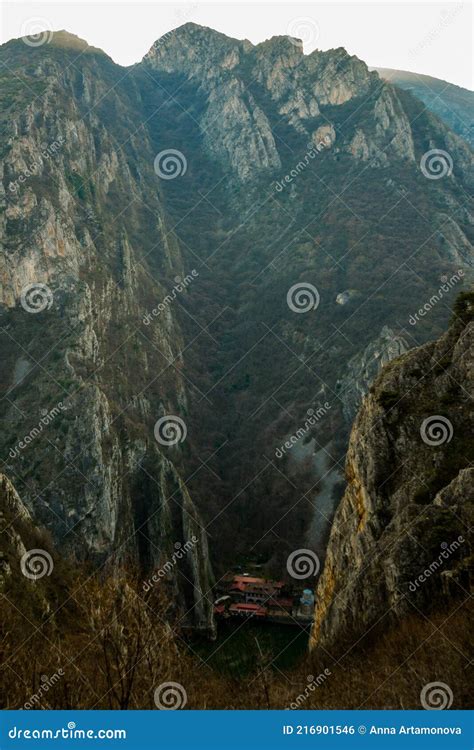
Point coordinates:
pixel 14 518
pixel 84 378
pixel 401 540
pixel 364 367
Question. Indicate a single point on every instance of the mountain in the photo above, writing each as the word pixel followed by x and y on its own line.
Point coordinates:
pixel 401 541
pixel 78 423
pixel 72 637
pixel 200 252
pixel 451 103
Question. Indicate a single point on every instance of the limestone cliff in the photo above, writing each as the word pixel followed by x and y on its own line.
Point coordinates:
pixel 364 367
pixel 244 84
pixel 14 518
pixel 87 252
pixel 401 538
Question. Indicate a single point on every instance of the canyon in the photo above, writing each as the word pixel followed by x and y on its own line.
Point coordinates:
pixel 220 239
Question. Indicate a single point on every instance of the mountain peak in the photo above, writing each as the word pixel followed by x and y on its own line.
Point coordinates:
pixel 67 40
pixel 63 39
pixel 194 35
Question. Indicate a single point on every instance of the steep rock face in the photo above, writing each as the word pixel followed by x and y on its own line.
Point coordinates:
pixel 401 536
pixel 81 219
pixel 240 81
pixel 235 128
pixel 364 367
pixel 13 518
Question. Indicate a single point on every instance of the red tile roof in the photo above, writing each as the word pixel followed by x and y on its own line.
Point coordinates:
pixel 248 580
pixel 248 608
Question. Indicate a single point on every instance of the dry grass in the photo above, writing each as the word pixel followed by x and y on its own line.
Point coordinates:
pixel 112 649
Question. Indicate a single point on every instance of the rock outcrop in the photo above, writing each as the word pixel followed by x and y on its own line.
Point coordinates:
pixel 14 518
pixel 80 219
pixel 240 80
pixel 364 367
pixel 401 538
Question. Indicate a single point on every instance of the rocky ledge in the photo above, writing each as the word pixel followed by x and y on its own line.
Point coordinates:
pixel 400 540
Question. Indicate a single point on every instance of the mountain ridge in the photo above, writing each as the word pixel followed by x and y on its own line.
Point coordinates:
pixel 452 103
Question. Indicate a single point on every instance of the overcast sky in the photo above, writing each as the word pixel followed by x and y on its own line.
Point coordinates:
pixel 424 37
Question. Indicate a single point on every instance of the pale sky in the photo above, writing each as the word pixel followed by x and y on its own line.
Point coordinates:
pixel 424 37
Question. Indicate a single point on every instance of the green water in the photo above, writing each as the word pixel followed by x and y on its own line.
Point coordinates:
pixel 242 648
